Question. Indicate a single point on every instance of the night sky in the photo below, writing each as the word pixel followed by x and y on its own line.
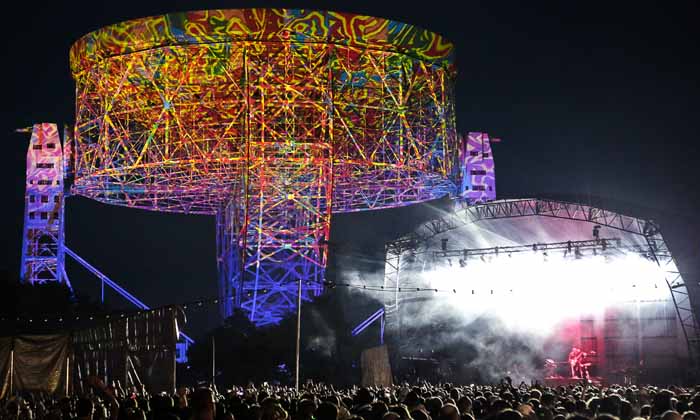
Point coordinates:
pixel 595 101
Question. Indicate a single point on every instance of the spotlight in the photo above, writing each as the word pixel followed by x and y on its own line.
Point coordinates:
pixel 443 243
pixel 462 263
pixel 650 228
pixel 534 247
pixel 596 232
pixel 411 257
pixel 449 260
pixel 604 244
pixel 483 259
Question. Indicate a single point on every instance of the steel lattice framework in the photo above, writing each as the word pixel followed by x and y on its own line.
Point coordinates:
pixel 42 245
pixel 657 248
pixel 270 119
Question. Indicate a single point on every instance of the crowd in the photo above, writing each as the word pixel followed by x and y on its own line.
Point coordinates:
pixel 400 402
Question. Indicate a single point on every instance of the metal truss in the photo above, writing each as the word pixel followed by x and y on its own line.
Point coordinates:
pixel 227 259
pixel 392 272
pixel 657 247
pixel 42 239
pixel 679 292
pixel 106 281
pixel 568 246
pixel 376 316
pixel 278 229
pixel 499 209
pixel 556 209
pixel 174 110
pixel 270 119
pixel 400 257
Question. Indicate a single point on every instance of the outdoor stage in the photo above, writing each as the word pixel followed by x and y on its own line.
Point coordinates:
pixel 522 281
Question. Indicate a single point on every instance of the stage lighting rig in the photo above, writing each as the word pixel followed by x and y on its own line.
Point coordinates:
pixel 443 243
pixel 411 257
pixel 650 228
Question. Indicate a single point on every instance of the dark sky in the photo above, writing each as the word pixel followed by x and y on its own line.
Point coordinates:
pixel 591 98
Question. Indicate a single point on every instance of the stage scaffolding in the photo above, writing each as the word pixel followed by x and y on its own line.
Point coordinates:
pixel 404 249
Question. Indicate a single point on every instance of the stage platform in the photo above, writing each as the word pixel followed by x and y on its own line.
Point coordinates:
pixel 555 381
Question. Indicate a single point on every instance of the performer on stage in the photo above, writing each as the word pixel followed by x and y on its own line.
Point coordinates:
pixel 575 357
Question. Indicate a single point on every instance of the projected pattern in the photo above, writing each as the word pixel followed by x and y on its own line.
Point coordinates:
pixel 478 169
pixel 42 250
pixel 271 119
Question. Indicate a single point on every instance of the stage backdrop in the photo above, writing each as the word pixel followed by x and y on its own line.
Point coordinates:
pixel 135 349
pixel 38 363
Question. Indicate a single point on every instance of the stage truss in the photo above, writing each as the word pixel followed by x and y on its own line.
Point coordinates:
pixel 571 247
pixel 397 251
